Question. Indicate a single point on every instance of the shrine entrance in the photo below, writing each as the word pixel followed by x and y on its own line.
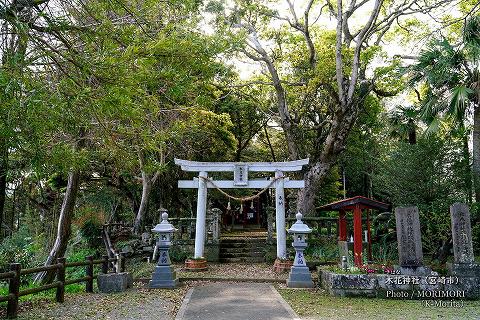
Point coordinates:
pixel 240 180
pixel 248 215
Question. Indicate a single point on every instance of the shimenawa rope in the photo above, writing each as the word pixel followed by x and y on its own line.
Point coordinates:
pixel 242 199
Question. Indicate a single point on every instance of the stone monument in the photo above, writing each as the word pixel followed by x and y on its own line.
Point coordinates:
pixel 409 240
pixel 463 258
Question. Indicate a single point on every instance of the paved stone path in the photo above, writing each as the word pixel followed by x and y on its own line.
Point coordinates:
pixel 242 301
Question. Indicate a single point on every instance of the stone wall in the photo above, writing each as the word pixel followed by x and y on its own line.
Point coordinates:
pixel 382 286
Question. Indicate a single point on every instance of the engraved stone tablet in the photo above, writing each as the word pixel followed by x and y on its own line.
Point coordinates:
pixel 409 238
pixel 462 233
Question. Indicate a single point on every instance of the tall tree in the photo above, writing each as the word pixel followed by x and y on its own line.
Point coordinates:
pixel 451 75
pixel 326 72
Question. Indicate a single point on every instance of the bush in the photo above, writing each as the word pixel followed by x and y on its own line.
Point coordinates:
pixel 270 253
pixel 178 254
pixel 322 249
pixel 75 256
pixel 19 248
pixel 90 225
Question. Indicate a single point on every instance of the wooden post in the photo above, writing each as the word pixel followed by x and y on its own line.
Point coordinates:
pixel 60 296
pixel 342 226
pixel 357 236
pixel 13 289
pixel 369 237
pixel 105 264
pixel 89 273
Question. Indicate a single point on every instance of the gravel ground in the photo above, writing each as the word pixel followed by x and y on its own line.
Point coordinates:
pixel 235 270
pixel 215 270
pixel 140 302
pixel 135 303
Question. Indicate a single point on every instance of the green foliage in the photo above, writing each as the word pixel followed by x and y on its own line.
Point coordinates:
pixel 385 251
pixel 144 82
pixel 322 249
pixel 76 255
pixel 429 175
pixel 179 254
pixel 449 74
pixel 475 216
pixel 20 248
pixel 364 150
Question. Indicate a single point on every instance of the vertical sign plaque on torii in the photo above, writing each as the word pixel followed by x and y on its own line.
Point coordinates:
pixel 240 180
pixel 240 175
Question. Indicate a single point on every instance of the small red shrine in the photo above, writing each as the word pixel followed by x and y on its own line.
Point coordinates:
pixel 357 205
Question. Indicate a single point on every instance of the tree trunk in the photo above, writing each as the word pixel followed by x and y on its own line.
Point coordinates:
pixel 146 188
pixel 64 225
pixel 333 146
pixel 412 132
pixel 468 170
pixel 313 178
pixel 3 180
pixel 272 152
pixel 476 152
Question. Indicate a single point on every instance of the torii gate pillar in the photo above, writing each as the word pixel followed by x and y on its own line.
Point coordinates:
pixel 201 215
pixel 280 216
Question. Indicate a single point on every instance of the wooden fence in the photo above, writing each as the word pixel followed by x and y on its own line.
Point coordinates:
pixel 60 282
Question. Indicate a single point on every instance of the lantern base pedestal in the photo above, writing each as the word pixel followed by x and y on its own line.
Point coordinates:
pixel 299 277
pixel 164 277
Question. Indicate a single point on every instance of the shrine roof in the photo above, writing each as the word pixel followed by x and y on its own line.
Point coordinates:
pixel 350 203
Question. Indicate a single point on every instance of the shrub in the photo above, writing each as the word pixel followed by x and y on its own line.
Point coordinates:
pixel 178 254
pixel 75 256
pixel 90 225
pixel 20 248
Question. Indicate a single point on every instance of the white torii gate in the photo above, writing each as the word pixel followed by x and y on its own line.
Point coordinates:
pixel 240 171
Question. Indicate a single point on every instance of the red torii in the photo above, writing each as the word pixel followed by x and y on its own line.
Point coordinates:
pixel 357 204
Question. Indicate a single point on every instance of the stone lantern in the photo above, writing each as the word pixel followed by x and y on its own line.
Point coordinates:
pixel 299 276
pixel 164 275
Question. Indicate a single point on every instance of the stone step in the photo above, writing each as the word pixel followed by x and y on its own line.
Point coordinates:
pixel 237 247
pixel 242 249
pixel 242 259
pixel 229 241
pixel 240 246
pixel 241 254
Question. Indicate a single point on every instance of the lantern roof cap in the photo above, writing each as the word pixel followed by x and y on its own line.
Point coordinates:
pixel 299 226
pixel 164 226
